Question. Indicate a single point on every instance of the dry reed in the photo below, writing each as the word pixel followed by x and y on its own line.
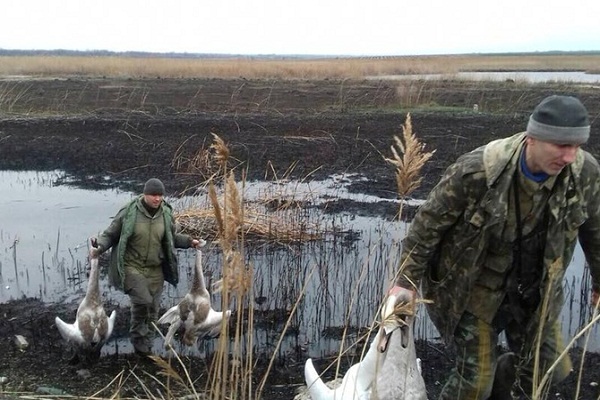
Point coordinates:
pixel 223 219
pixel 231 368
pixel 409 157
pixel 288 68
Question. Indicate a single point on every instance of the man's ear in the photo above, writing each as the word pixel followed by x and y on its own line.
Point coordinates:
pixel 529 141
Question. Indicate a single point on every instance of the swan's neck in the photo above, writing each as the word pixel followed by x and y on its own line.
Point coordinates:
pixel 198 284
pixel 373 360
pixel 93 289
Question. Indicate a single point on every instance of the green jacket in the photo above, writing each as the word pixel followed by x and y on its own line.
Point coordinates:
pixel 449 238
pixel 118 237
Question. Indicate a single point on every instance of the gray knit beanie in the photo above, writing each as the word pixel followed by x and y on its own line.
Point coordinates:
pixel 561 120
pixel 154 186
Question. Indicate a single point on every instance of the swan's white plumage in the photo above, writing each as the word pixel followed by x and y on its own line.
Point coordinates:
pixel 194 312
pixel 92 328
pixel 389 370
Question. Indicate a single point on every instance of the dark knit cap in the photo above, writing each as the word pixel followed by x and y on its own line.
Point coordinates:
pixel 154 186
pixel 561 120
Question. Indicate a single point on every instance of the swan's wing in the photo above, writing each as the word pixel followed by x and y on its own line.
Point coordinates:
pixel 111 324
pixel 171 332
pixel 170 316
pixel 69 332
pixel 212 325
pixel 316 387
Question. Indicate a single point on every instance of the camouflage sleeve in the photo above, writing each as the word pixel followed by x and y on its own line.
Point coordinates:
pixel 444 206
pixel 589 232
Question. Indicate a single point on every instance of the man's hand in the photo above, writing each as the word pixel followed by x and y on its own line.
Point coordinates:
pixel 595 298
pixel 403 295
pixel 198 243
pixel 94 250
pixel 398 312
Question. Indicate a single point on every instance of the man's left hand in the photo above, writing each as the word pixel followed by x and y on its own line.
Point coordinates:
pixel 198 243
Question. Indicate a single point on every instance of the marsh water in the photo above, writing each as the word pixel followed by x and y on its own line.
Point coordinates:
pixel 45 223
pixel 514 76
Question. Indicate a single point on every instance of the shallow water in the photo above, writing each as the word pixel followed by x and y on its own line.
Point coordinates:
pixel 44 227
pixel 517 76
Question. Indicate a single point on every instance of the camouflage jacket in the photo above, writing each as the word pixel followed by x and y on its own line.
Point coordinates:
pixel 448 240
pixel 117 236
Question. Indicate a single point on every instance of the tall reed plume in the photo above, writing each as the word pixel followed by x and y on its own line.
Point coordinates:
pixel 409 157
pixel 231 372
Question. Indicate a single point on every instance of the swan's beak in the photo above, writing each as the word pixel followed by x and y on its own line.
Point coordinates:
pixel 384 338
pixel 391 323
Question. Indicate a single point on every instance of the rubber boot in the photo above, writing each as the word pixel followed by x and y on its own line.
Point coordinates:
pixel 504 378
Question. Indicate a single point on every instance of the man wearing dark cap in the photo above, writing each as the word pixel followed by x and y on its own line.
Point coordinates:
pixel 490 247
pixel 143 239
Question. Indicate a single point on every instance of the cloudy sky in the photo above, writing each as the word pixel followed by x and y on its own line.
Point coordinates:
pixel 319 27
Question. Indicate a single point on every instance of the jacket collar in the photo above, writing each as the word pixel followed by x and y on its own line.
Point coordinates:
pixel 499 155
pixel 500 158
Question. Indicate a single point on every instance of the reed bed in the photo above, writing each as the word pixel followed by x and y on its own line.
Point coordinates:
pixel 258 223
pixel 287 68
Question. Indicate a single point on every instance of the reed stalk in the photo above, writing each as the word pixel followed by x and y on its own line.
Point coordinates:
pixel 232 378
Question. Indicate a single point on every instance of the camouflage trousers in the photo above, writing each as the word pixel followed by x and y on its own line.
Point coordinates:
pixel 144 289
pixel 473 376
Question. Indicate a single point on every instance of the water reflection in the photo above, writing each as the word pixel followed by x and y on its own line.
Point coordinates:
pixel 43 235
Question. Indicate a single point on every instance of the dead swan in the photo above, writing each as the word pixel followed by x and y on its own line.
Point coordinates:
pixel 92 328
pixel 389 369
pixel 194 311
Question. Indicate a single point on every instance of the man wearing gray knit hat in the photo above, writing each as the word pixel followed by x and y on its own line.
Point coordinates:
pixel 154 186
pixel 560 119
pixel 142 238
pixel 491 245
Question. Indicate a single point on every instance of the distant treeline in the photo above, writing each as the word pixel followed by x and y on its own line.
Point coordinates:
pixel 144 54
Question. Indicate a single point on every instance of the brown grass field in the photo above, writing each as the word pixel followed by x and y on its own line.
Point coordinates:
pixel 289 68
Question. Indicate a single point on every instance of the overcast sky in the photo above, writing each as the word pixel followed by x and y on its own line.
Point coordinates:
pixel 319 27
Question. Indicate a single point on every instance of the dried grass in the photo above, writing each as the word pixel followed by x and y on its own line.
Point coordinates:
pixel 409 158
pixel 257 225
pixel 287 68
pixel 223 217
pixel 206 162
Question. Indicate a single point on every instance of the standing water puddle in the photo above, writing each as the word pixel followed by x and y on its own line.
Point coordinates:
pixel 43 254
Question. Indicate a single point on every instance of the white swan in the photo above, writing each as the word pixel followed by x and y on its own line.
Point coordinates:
pixel 92 328
pixel 194 311
pixel 389 369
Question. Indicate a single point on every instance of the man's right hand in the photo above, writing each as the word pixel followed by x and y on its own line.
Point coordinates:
pixel 94 250
pixel 403 295
pixel 404 310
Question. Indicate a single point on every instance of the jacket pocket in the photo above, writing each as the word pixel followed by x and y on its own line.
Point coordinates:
pixel 458 252
pixel 496 265
pixel 573 220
